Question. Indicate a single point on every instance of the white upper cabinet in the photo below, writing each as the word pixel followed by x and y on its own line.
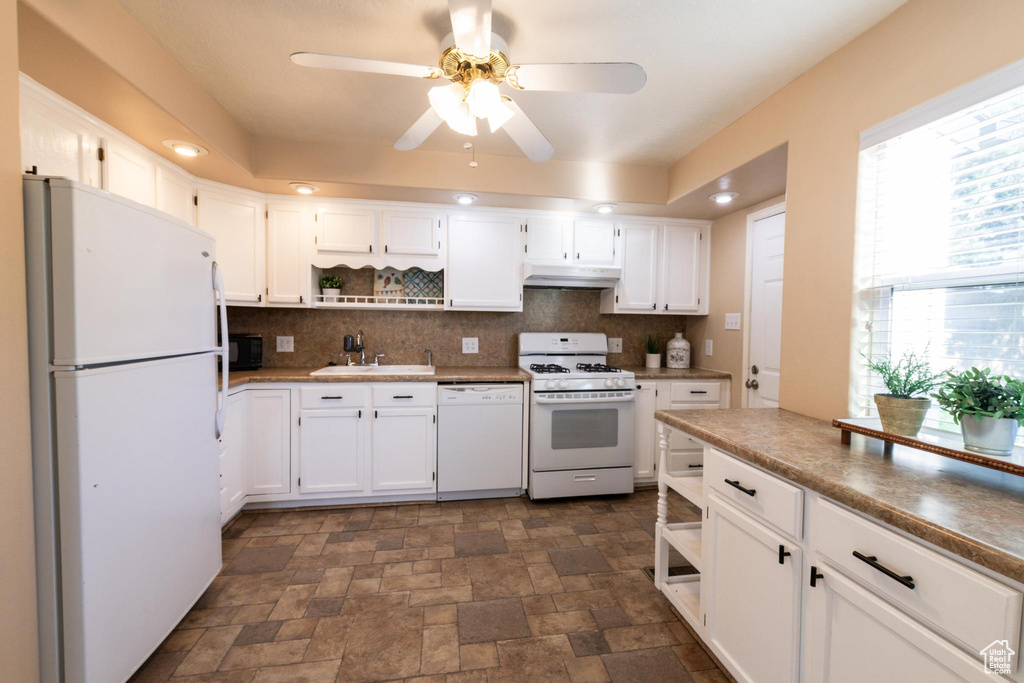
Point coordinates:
pixel 484 263
pixel 410 231
pixel 346 229
pixel 287 260
pixel 55 143
pixel 680 269
pixel 593 242
pixel 237 223
pixel 637 290
pixel 175 195
pixel 548 240
pixel 128 173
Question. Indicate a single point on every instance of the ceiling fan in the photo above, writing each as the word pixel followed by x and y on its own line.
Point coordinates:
pixel 475 61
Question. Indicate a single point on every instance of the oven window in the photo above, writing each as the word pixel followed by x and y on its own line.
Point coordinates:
pixel 584 428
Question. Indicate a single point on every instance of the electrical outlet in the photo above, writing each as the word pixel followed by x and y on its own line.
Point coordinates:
pixel 732 321
pixel 285 344
pixel 708 347
pixel 615 345
pixel 470 345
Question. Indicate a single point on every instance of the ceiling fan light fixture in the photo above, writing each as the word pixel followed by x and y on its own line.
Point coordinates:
pixel 303 188
pixel 483 98
pixel 465 198
pixel 723 197
pixel 604 208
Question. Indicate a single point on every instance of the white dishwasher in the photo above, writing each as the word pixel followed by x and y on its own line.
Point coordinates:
pixel 479 441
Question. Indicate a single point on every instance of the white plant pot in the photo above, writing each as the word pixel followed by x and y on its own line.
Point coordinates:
pixel 989 435
pixel 331 295
pixel 653 360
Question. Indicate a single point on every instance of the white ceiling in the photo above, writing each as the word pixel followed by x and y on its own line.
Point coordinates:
pixel 708 62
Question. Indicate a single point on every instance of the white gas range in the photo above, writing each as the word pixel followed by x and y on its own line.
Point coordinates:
pixel 581 416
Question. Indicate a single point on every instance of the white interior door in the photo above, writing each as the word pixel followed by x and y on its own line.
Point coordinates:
pixel 763 374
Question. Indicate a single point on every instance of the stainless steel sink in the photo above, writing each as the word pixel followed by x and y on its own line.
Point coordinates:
pixel 374 370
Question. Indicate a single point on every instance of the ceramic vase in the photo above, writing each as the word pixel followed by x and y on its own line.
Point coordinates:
pixel 901 416
pixel 677 352
pixel 653 360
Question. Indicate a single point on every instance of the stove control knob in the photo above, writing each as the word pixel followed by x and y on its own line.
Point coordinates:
pixel 620 382
pixel 563 384
pixel 550 384
pixel 609 382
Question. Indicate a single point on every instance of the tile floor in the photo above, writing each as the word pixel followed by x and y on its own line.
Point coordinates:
pixel 494 590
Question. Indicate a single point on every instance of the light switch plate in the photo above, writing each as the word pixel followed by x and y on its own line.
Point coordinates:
pixel 470 345
pixel 615 345
pixel 285 344
pixel 709 347
pixel 732 321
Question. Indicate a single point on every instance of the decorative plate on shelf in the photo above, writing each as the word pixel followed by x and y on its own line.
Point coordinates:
pixel 389 282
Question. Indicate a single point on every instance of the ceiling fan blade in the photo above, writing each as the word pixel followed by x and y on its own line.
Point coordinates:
pixel 604 77
pixel 419 131
pixel 471 24
pixel 373 66
pixel 526 135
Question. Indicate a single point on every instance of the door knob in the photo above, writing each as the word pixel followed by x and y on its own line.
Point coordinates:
pixel 751 384
pixel 754 370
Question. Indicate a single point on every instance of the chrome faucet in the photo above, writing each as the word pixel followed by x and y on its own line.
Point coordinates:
pixel 430 356
pixel 360 348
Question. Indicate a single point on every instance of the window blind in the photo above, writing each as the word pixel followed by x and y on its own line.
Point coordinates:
pixel 941 245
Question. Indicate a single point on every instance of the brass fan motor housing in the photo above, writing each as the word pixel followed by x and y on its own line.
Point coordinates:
pixel 459 67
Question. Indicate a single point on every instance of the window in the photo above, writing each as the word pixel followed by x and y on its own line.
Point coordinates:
pixel 941 239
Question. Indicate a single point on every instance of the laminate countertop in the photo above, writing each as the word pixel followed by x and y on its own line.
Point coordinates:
pixel 974 512
pixel 443 374
pixel 673 373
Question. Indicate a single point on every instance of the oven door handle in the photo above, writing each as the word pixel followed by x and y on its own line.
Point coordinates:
pixel 543 398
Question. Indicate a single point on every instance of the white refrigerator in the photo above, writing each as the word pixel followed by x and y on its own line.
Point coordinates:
pixel 123 306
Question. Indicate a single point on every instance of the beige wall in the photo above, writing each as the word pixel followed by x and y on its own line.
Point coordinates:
pixel 728 278
pixel 18 639
pixel 922 50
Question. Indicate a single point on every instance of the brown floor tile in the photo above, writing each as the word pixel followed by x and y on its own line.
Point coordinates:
pixel 610 617
pixel 307 576
pixel 499 576
pixel 335 582
pixel 538 604
pixel 440 596
pixel 236 676
pixel 264 654
pixel 296 629
pixel 645 665
pixel 427 536
pixel 694 658
pixel 206 655
pixel 639 637
pixel 492 620
pixel 478 656
pixel 329 638
pixel 545 578
pixel 532 659
pixel 440 614
pixel 455 571
pixel 440 649
pixel 364 587
pixel 180 641
pixel 376 602
pixel 561 622
pixel 480 543
pixel 577 583
pixel 260 560
pixel 158 668
pixel 586 643
pixel 324 607
pixel 390 584
pixel 586 670
pixel 536 557
pixel 594 599
pixel 293 602
pixel 262 632
pixel 384 647
pixel 709 676
pixel 310 672
pixel 368 571
pixel 572 561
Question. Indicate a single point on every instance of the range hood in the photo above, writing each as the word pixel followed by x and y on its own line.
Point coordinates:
pixel 593 277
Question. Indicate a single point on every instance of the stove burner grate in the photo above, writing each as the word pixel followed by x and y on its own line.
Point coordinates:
pixel 545 369
pixel 596 367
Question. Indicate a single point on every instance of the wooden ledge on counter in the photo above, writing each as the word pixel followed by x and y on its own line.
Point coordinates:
pixel 970 511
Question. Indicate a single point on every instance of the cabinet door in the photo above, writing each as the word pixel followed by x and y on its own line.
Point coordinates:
pixel 268 448
pixel 484 263
pixel 680 269
pixel 637 289
pixel 128 173
pixel 548 240
pixel 854 636
pixel 645 443
pixel 174 195
pixel 287 264
pixel 593 242
pixel 332 450
pixel 237 224
pixel 346 229
pixel 410 232
pixel 753 613
pixel 404 449
pixel 57 144
pixel 232 475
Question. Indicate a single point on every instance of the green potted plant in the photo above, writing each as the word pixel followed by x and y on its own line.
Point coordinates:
pixel 989 409
pixel 330 286
pixel 653 353
pixel 908 380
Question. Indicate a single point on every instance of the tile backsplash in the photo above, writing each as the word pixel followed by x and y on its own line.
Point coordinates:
pixel 402 335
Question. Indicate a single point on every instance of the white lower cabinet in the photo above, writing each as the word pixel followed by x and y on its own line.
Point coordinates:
pixel 753 609
pixel 854 636
pixel 268 446
pixel 404 452
pixel 684 454
pixel 232 452
pixel 645 444
pixel 332 450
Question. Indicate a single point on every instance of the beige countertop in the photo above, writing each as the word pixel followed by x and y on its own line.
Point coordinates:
pixel 672 373
pixel 974 512
pixel 443 374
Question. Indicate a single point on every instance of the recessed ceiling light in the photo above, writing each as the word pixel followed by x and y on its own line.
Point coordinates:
pixel 186 149
pixel 303 188
pixel 723 197
pixel 465 198
pixel 604 208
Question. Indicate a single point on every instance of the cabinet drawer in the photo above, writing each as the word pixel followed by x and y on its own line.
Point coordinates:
pixel 694 392
pixel 971 608
pixel 420 394
pixel 338 395
pixel 595 482
pixel 766 496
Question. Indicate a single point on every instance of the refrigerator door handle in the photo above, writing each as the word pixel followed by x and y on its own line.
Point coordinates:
pixel 222 411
